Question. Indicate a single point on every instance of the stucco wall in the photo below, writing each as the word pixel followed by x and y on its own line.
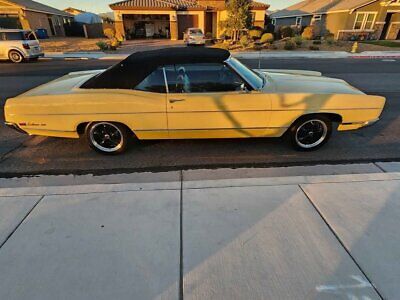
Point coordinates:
pixel 35 20
pixel 220 15
pixel 200 17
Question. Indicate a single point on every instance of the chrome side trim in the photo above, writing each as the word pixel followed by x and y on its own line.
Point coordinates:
pixel 212 129
pixel 165 81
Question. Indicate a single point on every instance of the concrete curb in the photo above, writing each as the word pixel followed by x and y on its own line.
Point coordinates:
pixel 225 176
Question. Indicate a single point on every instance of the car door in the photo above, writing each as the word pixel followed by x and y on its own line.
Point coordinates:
pixel 147 101
pixel 212 101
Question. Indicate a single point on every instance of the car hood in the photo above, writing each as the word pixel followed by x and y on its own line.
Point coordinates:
pixel 62 85
pixel 296 81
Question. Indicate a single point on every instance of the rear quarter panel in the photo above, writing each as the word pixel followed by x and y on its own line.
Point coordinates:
pixel 56 115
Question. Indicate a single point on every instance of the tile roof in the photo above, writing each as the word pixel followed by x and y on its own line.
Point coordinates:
pixel 309 7
pixel 174 4
pixel 33 5
pixel 255 4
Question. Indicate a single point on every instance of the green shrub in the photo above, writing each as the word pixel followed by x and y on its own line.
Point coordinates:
pixel 244 41
pixel 314 48
pixel 267 38
pixel 298 40
pixel 103 46
pixel 255 34
pixel 286 31
pixel 209 35
pixel 317 42
pixel 290 45
pixel 330 41
pixel 308 33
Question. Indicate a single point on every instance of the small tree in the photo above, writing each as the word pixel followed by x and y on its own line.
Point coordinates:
pixel 238 18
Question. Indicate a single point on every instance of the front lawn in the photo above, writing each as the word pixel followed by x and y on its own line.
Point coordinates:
pixel 70 44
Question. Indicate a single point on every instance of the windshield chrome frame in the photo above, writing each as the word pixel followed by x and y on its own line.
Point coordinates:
pixel 228 62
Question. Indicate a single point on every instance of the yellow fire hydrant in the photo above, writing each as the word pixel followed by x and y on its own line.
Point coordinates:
pixel 354 49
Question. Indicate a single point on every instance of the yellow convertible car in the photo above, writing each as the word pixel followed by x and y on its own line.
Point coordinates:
pixel 191 93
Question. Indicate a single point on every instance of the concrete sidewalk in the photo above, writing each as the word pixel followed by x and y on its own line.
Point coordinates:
pixel 204 234
pixel 243 55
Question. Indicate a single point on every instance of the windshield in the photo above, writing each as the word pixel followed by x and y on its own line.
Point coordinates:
pixel 195 31
pixel 255 80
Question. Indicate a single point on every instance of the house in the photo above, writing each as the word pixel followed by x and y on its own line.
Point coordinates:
pixel 73 11
pixel 346 19
pixel 170 18
pixel 27 14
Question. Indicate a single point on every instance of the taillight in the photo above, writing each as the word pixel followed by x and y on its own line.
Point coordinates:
pixel 26 46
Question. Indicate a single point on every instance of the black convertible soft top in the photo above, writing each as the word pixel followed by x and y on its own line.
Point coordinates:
pixel 136 67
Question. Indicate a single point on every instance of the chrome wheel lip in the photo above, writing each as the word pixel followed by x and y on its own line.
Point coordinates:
pixel 100 147
pixel 316 143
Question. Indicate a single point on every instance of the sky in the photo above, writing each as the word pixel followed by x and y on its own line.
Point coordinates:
pixel 99 6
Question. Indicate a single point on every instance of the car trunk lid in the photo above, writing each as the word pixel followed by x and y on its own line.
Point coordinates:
pixel 62 85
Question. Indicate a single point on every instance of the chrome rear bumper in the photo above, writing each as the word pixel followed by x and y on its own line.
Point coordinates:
pixel 14 126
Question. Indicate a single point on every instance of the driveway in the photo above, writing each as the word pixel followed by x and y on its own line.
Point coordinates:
pixel 147 44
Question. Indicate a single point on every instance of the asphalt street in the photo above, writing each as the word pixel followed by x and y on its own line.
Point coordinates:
pixel 21 154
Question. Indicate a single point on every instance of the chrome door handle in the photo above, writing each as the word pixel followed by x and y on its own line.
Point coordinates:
pixel 176 100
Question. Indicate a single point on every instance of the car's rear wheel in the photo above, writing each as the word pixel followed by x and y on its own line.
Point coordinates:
pixel 311 133
pixel 15 56
pixel 107 137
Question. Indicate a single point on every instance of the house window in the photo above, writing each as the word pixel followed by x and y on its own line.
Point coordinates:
pixel 316 18
pixel 364 21
pixel 298 21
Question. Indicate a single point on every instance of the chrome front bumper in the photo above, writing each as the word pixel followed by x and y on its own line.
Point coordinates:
pixel 357 125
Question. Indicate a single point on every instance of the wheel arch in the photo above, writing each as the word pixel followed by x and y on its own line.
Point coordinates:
pixel 334 117
pixel 81 127
pixel 17 50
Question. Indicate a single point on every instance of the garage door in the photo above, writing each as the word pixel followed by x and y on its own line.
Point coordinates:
pixel 185 22
pixel 10 21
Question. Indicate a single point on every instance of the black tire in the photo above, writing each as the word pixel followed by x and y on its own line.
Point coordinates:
pixel 310 133
pixel 15 56
pixel 107 137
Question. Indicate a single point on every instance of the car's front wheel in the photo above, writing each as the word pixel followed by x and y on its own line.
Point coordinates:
pixel 15 56
pixel 107 137
pixel 311 133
